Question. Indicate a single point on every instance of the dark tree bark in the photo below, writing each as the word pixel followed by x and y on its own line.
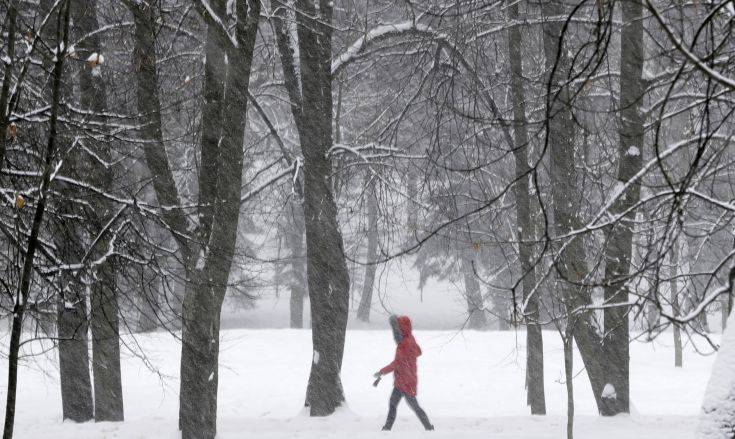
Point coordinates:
pixel 215 75
pixel 148 104
pixel 76 385
pixel 104 320
pixel 108 401
pixel 327 277
pixel 571 267
pixel 326 269
pixel 203 302
pixel 24 284
pixel 675 308
pixel 534 338
pixel 298 265
pixel 569 376
pixel 10 22
pixel 366 300
pixel 71 306
pixel 298 228
pixel 149 112
pixel 620 239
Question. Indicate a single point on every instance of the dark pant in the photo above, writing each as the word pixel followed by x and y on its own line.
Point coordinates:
pixel 395 398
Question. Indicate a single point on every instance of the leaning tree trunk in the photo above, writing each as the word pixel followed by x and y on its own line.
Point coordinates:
pixel 207 270
pixel 26 275
pixel 203 301
pixel 151 133
pixel 619 249
pixel 571 265
pixel 534 338
pixel 283 26
pixel 326 269
pixel 327 277
pixel 366 300
pixel 197 395
pixel 104 323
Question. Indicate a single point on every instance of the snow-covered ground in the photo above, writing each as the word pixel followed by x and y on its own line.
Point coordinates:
pixel 471 385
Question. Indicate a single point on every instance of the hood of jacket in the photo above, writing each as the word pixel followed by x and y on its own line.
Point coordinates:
pixel 404 324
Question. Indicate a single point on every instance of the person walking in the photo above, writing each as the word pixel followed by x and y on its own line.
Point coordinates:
pixel 403 367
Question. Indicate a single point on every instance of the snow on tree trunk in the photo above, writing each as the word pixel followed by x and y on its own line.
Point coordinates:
pixel 326 269
pixel 26 274
pixel 717 418
pixel 104 320
pixel 72 312
pixel 534 338
pixel 203 300
pixel 561 129
pixel 619 250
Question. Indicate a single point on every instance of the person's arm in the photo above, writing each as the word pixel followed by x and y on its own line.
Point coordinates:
pixel 391 367
pixel 387 369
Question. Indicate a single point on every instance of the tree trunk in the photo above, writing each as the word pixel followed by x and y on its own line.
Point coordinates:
pixel 298 265
pixel 10 22
pixel 534 338
pixel 675 308
pixel 476 318
pixel 569 378
pixel 24 284
pixel 207 269
pixel 619 248
pixel 71 306
pixel 717 416
pixel 282 24
pixel 108 401
pixel 104 322
pixel 76 386
pixel 149 112
pixel 203 301
pixel 571 267
pixel 328 279
pixel 366 300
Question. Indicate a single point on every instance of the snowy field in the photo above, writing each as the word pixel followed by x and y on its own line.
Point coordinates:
pixel 471 385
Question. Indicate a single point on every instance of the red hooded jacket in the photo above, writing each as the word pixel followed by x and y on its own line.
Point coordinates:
pixel 403 366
